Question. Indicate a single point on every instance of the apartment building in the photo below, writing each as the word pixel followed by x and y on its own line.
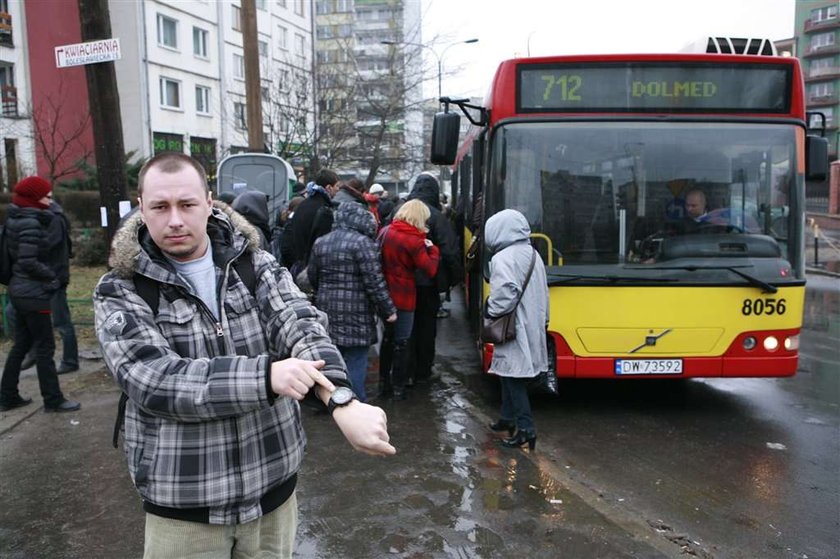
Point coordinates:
pixel 817 44
pixel 16 135
pixel 370 93
pixel 181 76
pixel 183 67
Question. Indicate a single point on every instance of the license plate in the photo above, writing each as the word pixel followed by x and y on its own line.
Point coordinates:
pixel 648 366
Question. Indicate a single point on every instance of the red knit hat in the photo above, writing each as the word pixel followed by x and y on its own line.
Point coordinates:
pixel 29 191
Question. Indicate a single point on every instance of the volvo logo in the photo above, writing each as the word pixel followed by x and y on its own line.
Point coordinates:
pixel 650 340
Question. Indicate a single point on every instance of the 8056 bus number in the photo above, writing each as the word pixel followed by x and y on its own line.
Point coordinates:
pixel 763 306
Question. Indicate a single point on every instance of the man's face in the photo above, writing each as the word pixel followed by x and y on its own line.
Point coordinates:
pixel 175 207
pixel 695 205
pixel 332 189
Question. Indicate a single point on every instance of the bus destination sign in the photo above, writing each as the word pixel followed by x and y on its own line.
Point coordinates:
pixel 653 87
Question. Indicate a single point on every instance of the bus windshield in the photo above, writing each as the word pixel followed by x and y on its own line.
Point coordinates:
pixel 623 192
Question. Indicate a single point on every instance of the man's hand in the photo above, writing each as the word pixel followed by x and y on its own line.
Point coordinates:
pixel 392 318
pixel 365 427
pixel 294 377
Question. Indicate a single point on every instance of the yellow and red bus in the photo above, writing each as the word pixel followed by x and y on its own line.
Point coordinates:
pixel 601 154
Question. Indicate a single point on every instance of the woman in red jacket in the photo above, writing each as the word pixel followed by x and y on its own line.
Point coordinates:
pixel 405 249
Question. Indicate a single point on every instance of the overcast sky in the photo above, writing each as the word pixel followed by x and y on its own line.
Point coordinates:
pixel 510 28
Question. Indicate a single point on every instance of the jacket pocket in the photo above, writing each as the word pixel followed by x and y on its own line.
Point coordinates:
pixel 179 324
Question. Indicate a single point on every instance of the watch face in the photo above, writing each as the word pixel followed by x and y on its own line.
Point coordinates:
pixel 342 395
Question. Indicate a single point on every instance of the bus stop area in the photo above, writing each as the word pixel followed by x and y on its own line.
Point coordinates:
pixel 451 491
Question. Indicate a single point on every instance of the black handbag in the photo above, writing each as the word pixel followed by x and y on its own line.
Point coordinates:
pixel 501 329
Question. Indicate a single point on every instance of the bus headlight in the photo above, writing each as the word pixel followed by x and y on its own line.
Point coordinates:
pixel 792 343
pixel 749 343
pixel 771 343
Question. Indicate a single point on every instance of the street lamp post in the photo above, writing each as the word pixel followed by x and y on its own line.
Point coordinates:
pixel 439 57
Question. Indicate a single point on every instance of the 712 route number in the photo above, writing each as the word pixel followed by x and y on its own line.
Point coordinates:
pixel 763 306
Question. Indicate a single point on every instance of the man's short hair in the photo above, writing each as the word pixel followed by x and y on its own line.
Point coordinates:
pixel 356 184
pixel 326 177
pixel 171 162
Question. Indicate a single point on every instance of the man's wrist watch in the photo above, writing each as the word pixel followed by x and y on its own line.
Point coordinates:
pixel 341 397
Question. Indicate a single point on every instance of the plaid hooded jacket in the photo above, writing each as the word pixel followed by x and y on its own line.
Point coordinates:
pixel 345 270
pixel 203 430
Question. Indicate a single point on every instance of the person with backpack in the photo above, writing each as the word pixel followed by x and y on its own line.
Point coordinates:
pixel 37 274
pixel 214 373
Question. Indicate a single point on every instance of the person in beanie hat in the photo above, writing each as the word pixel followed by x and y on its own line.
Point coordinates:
pixel 34 282
pixel 32 192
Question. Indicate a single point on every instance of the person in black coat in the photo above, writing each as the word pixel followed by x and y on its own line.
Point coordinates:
pixel 298 235
pixel 450 273
pixel 253 206
pixel 35 280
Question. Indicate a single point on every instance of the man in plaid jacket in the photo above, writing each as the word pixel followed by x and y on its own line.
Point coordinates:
pixel 213 435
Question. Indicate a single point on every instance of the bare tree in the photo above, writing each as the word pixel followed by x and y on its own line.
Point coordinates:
pixel 62 136
pixel 369 94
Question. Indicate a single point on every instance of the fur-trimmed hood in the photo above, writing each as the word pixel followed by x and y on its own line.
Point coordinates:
pixel 133 250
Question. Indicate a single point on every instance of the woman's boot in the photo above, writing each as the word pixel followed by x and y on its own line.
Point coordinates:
pixel 398 370
pixel 386 360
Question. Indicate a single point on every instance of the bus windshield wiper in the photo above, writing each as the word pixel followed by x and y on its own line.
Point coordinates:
pixel 752 280
pixel 558 279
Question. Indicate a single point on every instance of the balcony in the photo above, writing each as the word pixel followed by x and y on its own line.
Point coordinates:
pixel 8 97
pixel 821 101
pixel 6 29
pixel 822 50
pixel 822 25
pixel 824 73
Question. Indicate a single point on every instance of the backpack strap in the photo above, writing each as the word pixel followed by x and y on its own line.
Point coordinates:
pixel 149 291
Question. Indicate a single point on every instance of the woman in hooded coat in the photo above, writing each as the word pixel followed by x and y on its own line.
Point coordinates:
pixel 345 271
pixel 506 236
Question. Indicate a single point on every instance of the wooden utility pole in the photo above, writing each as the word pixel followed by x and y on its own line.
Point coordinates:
pixel 253 90
pixel 104 101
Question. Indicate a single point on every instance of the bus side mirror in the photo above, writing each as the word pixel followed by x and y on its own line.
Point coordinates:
pixel 816 158
pixel 446 128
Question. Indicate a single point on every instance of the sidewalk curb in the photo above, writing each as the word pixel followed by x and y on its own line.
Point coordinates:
pixel 821 272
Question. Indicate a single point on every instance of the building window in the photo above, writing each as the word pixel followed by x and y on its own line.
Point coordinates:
pixel 202 100
pixel 167 31
pixel 261 4
pixel 236 16
pixel 299 7
pixel 238 66
pixel 816 121
pixel 822 40
pixel 819 91
pixel 6 38
pixel 8 91
pixel 199 42
pixel 300 45
pixel 170 93
pixel 262 47
pixel 282 37
pixel 239 118
pixel 824 14
pixel 281 3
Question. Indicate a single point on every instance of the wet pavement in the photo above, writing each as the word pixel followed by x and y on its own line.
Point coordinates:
pixel 740 468
pixel 451 491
